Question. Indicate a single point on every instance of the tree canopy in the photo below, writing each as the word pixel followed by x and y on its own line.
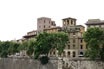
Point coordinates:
pixel 8 48
pixel 46 42
pixel 94 38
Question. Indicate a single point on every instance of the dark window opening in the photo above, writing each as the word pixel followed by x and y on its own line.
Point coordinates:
pixel 73 54
pixel 44 21
pixel 44 26
pixel 54 53
pixel 81 47
pixel 81 53
pixel 68 46
pixel 73 40
pixel 81 40
pixel 71 22
pixel 73 46
pixel 67 21
pixel 74 33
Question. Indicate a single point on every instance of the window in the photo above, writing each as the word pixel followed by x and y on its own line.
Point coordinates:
pixel 73 46
pixel 64 54
pixel 81 53
pixel 73 40
pixel 54 53
pixel 81 40
pixel 73 54
pixel 49 22
pixel 68 54
pixel 44 21
pixel 74 34
pixel 44 26
pixel 71 22
pixel 81 46
pixel 68 46
pixel 67 21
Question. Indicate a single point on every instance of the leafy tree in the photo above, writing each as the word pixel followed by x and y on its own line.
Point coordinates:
pixel 46 42
pixel 94 38
pixel 23 45
pixel 30 48
pixel 4 48
pixel 13 48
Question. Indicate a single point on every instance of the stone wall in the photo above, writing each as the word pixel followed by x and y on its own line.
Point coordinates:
pixel 82 64
pixel 54 63
pixel 26 63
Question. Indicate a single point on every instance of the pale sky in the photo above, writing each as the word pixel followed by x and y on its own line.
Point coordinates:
pixel 17 17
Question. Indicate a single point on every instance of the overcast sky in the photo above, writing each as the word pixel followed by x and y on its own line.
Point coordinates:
pixel 17 17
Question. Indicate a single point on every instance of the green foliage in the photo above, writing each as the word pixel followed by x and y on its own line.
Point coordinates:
pixel 94 38
pixel 49 41
pixel 23 45
pixel 8 48
pixel 30 48
pixel 44 60
pixel 13 48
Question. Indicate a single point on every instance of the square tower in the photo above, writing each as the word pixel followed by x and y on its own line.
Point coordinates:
pixel 69 22
pixel 44 23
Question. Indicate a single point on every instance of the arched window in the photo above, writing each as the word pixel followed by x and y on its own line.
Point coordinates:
pixel 64 55
pixel 68 54
pixel 54 53
pixel 74 54
pixel 81 53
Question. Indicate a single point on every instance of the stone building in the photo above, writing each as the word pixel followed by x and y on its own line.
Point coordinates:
pixel 76 46
pixel 44 23
pixel 95 23
pixel 30 35
pixel 53 29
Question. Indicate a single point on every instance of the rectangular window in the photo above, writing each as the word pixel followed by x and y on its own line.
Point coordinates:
pixel 74 34
pixel 68 46
pixel 44 21
pixel 81 46
pixel 81 40
pixel 73 40
pixel 71 22
pixel 67 21
pixel 73 46
pixel 44 26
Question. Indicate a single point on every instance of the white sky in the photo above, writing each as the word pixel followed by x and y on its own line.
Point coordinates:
pixel 17 17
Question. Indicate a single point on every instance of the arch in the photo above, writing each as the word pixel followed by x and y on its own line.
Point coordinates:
pixel 81 53
pixel 68 53
pixel 74 54
pixel 64 54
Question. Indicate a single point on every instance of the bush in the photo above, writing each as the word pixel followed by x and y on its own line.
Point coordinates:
pixel 44 60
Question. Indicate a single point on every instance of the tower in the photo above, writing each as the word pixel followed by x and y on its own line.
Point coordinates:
pixel 69 22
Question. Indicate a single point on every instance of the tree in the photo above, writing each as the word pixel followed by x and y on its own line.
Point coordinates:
pixel 4 48
pixel 94 38
pixel 13 48
pixel 30 48
pixel 46 42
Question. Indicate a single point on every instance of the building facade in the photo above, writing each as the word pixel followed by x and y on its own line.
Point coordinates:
pixel 95 23
pixel 76 46
pixel 44 23
pixel 30 35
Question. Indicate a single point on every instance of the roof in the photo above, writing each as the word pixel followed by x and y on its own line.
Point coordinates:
pixel 80 26
pixel 94 22
pixel 69 18
pixel 54 27
pixel 44 18
pixel 32 31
